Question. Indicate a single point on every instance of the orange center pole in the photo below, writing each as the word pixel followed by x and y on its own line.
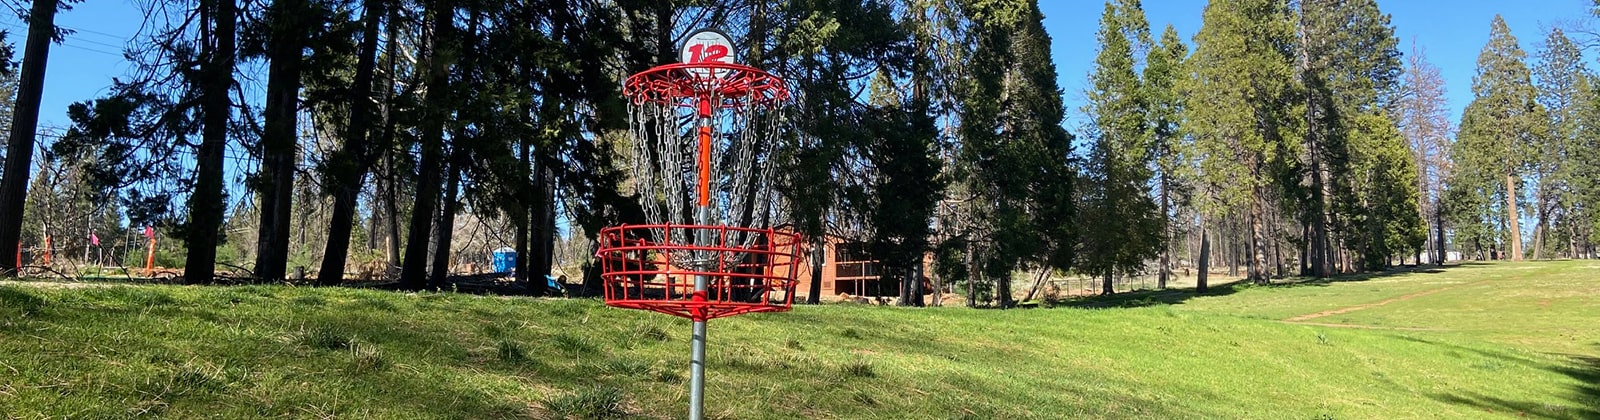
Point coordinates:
pixel 705 151
pixel 150 258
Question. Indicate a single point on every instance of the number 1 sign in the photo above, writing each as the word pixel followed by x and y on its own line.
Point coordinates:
pixel 706 46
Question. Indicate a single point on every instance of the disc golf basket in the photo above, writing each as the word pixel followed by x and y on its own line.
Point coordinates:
pixel 703 132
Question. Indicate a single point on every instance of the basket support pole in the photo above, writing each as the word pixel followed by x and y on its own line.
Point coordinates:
pixel 697 345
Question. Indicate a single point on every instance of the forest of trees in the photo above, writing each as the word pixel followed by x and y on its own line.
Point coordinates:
pixel 1284 138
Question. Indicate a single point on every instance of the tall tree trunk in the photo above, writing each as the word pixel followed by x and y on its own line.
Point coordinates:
pixel 24 122
pixel 905 276
pixel 520 218
pixel 972 276
pixel 1514 231
pixel 1257 248
pixel 206 204
pixel 391 201
pixel 1107 285
pixel 447 222
pixel 413 272
pixel 1205 259
pixel 354 154
pixel 279 137
pixel 1166 234
pixel 1002 291
pixel 547 259
pixel 1439 234
pixel 916 285
pixel 538 234
pixel 819 252
pixel 1539 227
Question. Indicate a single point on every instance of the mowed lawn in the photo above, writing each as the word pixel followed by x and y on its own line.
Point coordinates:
pixel 1479 340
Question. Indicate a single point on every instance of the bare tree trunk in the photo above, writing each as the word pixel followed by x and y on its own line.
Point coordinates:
pixel 972 277
pixel 354 154
pixel 413 274
pixel 818 253
pixel 1038 282
pixel 447 222
pixel 206 202
pixel 1205 259
pixel 24 123
pixel 285 49
pixel 1514 232
pixel 1166 234
pixel 520 218
pixel 391 201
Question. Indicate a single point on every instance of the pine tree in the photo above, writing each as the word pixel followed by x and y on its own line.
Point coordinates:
pixel 1585 167
pixel 1557 74
pixel 1163 73
pixel 1239 111
pixel 1014 153
pixel 1121 224
pixel 1499 129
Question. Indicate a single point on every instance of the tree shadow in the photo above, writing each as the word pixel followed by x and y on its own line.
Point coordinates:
pixel 1143 298
pixel 1585 398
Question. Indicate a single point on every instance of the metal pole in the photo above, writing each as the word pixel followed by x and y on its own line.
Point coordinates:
pixel 697 343
pixel 697 364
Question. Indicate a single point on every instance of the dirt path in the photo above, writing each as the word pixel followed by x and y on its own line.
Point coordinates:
pixel 1362 327
pixel 1332 312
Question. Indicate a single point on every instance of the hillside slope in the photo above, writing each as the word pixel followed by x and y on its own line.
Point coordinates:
pixel 1500 339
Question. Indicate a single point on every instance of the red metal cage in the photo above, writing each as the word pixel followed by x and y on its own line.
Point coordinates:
pixel 685 84
pixel 653 267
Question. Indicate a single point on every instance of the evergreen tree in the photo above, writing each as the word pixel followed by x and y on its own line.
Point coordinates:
pixel 1015 156
pixel 1499 130
pixel 1557 74
pixel 1163 74
pixel 1584 166
pixel 1239 110
pixel 905 184
pixel 1121 226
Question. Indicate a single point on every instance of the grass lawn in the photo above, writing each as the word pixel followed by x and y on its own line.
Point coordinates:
pixel 1480 340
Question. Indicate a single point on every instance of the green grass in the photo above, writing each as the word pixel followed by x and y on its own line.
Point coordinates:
pixel 1507 340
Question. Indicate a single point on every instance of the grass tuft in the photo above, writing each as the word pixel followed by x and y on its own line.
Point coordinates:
pixel 850 333
pixel 594 403
pixel 323 337
pixel 858 369
pixel 309 300
pixel 625 367
pixel 510 351
pixel 651 332
pixel 367 358
pixel 571 343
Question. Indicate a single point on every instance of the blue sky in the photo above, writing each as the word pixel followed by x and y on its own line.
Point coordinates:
pixel 1452 32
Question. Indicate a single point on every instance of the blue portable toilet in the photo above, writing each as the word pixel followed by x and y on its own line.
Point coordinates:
pixel 505 260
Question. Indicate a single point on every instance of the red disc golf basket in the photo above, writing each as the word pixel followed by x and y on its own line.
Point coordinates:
pixel 703 136
pixel 659 275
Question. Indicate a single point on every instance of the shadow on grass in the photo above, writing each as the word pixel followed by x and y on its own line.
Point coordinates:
pixel 1585 398
pixel 1143 298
